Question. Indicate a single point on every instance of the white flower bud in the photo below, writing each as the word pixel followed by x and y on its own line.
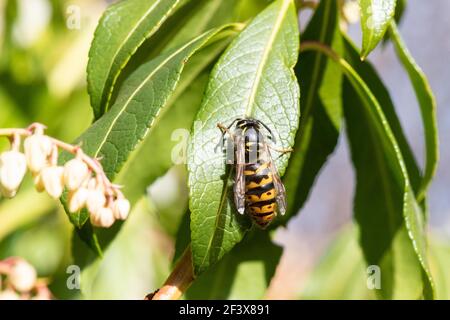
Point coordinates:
pixel 9 294
pixel 75 173
pixel 103 218
pixel 38 183
pixel 53 179
pixel 23 276
pixel 37 149
pixel 92 184
pixel 95 200
pixel 121 208
pixel 7 193
pixel 13 167
pixel 351 11
pixel 42 296
pixel 77 199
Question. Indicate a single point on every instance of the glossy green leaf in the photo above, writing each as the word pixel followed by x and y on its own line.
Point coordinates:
pixel 121 30
pixel 369 75
pixel 385 206
pixel 400 9
pixel 253 78
pixel 153 157
pixel 321 107
pixel 213 13
pixel 427 105
pixel 137 109
pixel 244 273
pixel 379 207
pixel 376 16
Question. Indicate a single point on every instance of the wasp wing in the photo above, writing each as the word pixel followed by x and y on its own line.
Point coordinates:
pixel 279 186
pixel 239 183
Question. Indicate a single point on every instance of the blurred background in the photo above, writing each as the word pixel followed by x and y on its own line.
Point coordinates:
pixel 44 48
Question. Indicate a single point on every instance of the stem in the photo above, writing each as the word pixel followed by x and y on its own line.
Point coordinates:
pixel 179 280
pixel 307 4
pixel 318 46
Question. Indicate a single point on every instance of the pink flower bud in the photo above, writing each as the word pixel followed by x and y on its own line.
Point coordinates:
pixel 37 149
pixel 53 179
pixel 23 276
pixel 121 209
pixel 95 200
pixel 13 167
pixel 103 218
pixel 75 173
pixel 77 199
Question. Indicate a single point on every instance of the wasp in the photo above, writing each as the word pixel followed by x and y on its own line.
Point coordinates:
pixel 258 189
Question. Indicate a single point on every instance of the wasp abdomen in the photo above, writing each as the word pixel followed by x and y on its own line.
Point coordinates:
pixel 260 193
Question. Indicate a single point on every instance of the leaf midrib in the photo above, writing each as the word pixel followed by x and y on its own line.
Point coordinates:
pixel 136 91
pixel 121 46
pixel 249 109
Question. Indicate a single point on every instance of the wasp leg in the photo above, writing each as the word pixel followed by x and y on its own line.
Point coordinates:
pixel 225 130
pixel 281 150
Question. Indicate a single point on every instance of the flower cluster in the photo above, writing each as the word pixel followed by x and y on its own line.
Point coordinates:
pixel 83 177
pixel 18 280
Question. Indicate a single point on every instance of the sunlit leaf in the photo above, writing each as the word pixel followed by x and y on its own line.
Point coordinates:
pixel 427 105
pixel 385 205
pixel 122 29
pixel 253 78
pixel 154 155
pixel 137 109
pixel 376 16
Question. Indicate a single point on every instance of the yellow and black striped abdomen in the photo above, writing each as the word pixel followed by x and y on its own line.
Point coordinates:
pixel 260 193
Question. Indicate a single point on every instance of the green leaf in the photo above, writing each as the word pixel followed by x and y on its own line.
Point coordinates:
pixel 244 273
pixel 138 266
pixel 341 273
pixel 253 78
pixel 321 107
pixel 184 104
pixel 376 16
pixel 439 262
pixel 138 108
pixel 400 8
pixel 427 105
pixel 122 29
pixel 390 220
pixel 210 14
pixel 369 75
